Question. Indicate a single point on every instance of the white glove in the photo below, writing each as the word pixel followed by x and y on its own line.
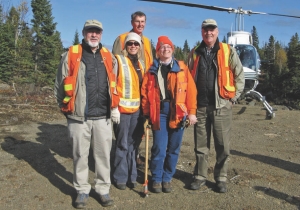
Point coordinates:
pixel 115 115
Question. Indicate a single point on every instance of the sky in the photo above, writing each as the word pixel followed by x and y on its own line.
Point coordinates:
pixel 179 23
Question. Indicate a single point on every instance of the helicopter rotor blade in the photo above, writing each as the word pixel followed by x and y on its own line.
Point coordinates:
pixel 230 10
pixel 192 5
pixel 292 16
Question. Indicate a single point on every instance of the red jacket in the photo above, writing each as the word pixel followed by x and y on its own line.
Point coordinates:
pixel 183 94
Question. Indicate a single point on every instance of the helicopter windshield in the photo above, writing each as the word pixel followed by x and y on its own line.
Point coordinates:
pixel 248 56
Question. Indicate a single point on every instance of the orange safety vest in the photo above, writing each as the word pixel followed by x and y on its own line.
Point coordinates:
pixel 74 58
pixel 178 110
pixel 147 49
pixel 128 85
pixel 225 76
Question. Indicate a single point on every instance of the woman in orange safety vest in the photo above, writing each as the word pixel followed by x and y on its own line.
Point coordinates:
pixel 168 100
pixel 128 132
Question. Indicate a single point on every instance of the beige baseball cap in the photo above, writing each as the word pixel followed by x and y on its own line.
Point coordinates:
pixel 92 24
pixel 209 22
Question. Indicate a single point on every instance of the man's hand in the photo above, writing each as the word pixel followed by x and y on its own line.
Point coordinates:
pixel 193 119
pixel 115 115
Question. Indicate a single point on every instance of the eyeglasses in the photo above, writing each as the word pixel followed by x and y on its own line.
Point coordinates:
pixel 132 43
pixel 165 48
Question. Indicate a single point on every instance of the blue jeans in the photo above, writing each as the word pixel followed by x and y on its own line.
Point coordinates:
pixel 165 149
pixel 128 135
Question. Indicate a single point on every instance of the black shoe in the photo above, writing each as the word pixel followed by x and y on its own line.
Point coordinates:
pixel 105 200
pixel 156 187
pixel 197 183
pixel 166 187
pixel 81 200
pixel 121 186
pixel 221 187
pixel 132 185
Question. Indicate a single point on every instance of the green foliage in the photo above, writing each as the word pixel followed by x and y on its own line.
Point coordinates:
pixel 153 49
pixel 76 38
pixel 255 38
pixel 29 54
pixel 178 53
pixel 224 39
pixel 47 44
pixel 7 53
pixel 282 71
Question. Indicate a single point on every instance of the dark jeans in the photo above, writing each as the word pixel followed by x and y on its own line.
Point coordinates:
pixel 128 135
pixel 165 149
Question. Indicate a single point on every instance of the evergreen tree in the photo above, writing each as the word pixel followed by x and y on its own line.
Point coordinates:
pixel 47 45
pixel 178 53
pixel 224 39
pixel 255 38
pixel 153 49
pixel 197 43
pixel 76 38
pixel 24 63
pixel 7 44
pixel 186 48
pixel 293 76
pixel 185 51
pixel 292 48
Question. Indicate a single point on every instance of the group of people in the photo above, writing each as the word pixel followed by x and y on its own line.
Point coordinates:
pixel 130 87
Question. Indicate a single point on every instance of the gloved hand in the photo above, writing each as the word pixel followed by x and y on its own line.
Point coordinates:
pixel 115 115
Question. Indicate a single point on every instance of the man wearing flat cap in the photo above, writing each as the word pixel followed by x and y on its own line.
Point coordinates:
pixel 219 77
pixel 85 88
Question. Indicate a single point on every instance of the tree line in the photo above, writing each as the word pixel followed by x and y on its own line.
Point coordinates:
pixel 30 53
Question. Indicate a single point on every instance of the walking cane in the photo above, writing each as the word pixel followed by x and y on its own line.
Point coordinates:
pixel 146 161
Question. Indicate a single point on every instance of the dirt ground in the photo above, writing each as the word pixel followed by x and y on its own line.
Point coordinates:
pixel 36 164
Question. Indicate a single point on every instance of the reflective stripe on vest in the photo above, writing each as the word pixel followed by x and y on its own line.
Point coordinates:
pixel 126 99
pixel 67 99
pixel 74 58
pixel 70 81
pixel 225 75
pixel 108 64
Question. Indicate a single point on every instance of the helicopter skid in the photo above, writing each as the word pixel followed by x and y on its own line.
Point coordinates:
pixel 257 95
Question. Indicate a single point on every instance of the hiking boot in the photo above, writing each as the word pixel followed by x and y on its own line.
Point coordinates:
pixel 132 185
pixel 197 183
pixel 81 200
pixel 156 187
pixel 221 187
pixel 166 186
pixel 121 186
pixel 105 200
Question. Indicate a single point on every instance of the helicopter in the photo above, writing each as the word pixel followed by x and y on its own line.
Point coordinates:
pixel 243 43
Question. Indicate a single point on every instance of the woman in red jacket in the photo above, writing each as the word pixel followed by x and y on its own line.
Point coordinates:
pixel 168 99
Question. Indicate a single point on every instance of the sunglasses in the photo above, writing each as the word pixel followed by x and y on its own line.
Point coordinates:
pixel 132 43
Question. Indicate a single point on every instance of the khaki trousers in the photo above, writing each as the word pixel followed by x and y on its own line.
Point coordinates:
pixel 98 134
pixel 218 122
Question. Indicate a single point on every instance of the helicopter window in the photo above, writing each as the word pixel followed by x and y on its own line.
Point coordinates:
pixel 247 55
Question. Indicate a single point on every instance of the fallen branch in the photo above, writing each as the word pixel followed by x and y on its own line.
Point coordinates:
pixel 234 177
